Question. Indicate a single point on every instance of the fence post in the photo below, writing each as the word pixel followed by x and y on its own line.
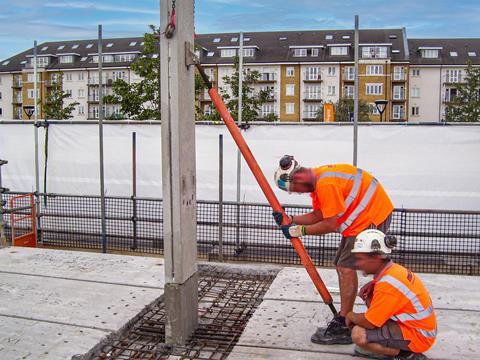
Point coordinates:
pixel 134 188
pixel 3 239
pixel 100 136
pixel 220 197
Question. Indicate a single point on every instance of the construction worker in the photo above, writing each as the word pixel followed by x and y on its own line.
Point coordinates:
pixel 345 199
pixel 400 321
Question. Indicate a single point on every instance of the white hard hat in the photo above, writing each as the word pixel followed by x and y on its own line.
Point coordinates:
pixel 283 176
pixel 372 240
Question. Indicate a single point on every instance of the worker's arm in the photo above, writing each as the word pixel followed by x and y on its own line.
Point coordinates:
pixel 309 218
pixel 358 319
pixel 325 226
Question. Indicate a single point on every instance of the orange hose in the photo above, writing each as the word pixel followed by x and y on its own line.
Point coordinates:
pixel 269 194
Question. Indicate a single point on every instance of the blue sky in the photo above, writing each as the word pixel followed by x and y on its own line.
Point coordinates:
pixel 22 21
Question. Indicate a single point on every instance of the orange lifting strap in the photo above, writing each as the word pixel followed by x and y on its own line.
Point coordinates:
pixel 265 186
pixel 18 215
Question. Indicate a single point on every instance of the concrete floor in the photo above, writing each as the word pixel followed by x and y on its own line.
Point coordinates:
pixel 55 304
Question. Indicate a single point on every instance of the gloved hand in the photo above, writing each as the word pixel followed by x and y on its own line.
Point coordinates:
pixel 278 217
pixel 292 230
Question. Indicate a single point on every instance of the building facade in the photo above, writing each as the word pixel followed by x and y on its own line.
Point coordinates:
pixel 302 70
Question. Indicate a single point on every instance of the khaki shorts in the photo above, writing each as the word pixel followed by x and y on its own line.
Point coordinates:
pixel 389 335
pixel 344 256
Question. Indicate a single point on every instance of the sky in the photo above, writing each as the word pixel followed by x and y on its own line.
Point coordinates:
pixel 22 21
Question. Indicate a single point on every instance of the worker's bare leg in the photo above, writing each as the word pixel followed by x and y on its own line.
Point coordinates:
pixel 348 282
pixel 359 337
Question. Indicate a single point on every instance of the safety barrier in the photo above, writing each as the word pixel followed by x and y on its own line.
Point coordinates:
pixel 436 241
pixel 23 220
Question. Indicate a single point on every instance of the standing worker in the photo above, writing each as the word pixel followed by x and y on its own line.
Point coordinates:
pixel 400 321
pixel 345 199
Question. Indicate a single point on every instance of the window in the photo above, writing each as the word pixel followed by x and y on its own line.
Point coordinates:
pixel 290 90
pixel 282 38
pixel 81 110
pixel 210 53
pixel 154 56
pixel 31 78
pixel 248 52
pixel 374 89
pixel 247 39
pixel 109 45
pixel 349 73
pixel 300 52
pixel 429 53
pixel 207 109
pixel 374 69
pixel 74 46
pixel 42 61
pixel 314 52
pixel 122 75
pixel 216 40
pixel 44 48
pixel 228 52
pixel 374 52
pixel 266 110
pixel 372 109
pixel 415 72
pixel 84 58
pixel 68 76
pixel 142 43
pixel 331 70
pixel 453 53
pixel 338 50
pixel 234 39
pixel 398 92
pixel 6 62
pixel 1 112
pixel 415 92
pixel 312 73
pixel 290 71
pixel 398 112
pixel 472 53
pixel 290 108
pixel 313 92
pixel 68 92
pixel 346 37
pixel 349 91
pixel 398 73
pixel 66 59
pixel 415 110
pixel 331 90
pixel 133 43
pixel 108 58
pixel 125 57
pixel 450 95
pixel 311 111
pixel 31 93
pixel 89 46
pixel 61 47
pixel 392 36
pixel 81 76
pixel 453 76
pixel 328 37
pixel 81 93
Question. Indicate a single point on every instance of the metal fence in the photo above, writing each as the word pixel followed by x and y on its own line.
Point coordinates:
pixel 436 241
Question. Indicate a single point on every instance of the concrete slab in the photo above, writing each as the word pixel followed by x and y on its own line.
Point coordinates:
pixel 88 266
pixel 294 284
pixel 287 325
pixel 37 340
pixel 245 352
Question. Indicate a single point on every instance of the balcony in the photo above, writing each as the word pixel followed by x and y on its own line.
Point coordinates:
pixel 311 115
pixel 312 97
pixel 399 95
pixel 349 76
pixel 93 98
pixel 17 83
pixel 312 77
pixel 17 99
pixel 107 81
pixel 267 78
pixel 453 79
pixel 399 76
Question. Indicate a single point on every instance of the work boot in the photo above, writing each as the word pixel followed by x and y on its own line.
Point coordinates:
pixel 358 351
pixel 336 332
pixel 407 355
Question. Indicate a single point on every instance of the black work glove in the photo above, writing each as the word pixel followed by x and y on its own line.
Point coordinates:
pixel 278 217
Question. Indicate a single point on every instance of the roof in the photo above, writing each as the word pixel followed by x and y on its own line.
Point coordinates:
pixel 462 47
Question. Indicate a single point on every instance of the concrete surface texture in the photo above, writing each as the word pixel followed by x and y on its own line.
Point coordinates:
pixel 291 311
pixel 56 304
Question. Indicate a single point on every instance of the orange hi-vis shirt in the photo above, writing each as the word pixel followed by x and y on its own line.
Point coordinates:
pixel 352 194
pixel 400 295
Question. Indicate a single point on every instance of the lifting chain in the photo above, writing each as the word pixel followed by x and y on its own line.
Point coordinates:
pixel 170 29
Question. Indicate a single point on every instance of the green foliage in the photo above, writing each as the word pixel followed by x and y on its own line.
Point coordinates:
pixel 466 105
pixel 53 107
pixel 270 117
pixel 251 100
pixel 141 101
pixel 344 106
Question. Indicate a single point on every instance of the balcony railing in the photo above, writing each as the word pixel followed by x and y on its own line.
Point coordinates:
pixel 310 114
pixel 399 95
pixel 452 79
pixel 267 77
pixel 349 75
pixel 312 77
pixel 17 83
pixel 312 96
pixel 399 76
pixel 17 99
pixel 107 80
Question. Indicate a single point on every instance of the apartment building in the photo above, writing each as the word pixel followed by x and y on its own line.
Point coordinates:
pixel 301 69
pixel 436 65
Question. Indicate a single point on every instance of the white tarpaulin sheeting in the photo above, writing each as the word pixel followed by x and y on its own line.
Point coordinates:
pixel 420 166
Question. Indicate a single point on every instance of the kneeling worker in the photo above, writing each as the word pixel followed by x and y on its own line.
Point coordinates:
pixel 400 321
pixel 345 199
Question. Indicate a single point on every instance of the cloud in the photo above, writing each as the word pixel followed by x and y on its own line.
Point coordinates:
pixel 99 7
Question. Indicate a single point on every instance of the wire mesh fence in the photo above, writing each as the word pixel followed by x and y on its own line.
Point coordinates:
pixel 437 241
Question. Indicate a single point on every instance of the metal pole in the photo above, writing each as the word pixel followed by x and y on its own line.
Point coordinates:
pixel 134 188
pixel 220 197
pixel 239 121
pixel 35 127
pixel 3 239
pixel 100 136
pixel 356 96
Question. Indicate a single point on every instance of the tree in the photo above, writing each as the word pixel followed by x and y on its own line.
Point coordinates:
pixel 251 100
pixel 344 106
pixel 53 106
pixel 141 100
pixel 465 106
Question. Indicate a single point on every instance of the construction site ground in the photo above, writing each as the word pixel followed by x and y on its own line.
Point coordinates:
pixel 55 304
